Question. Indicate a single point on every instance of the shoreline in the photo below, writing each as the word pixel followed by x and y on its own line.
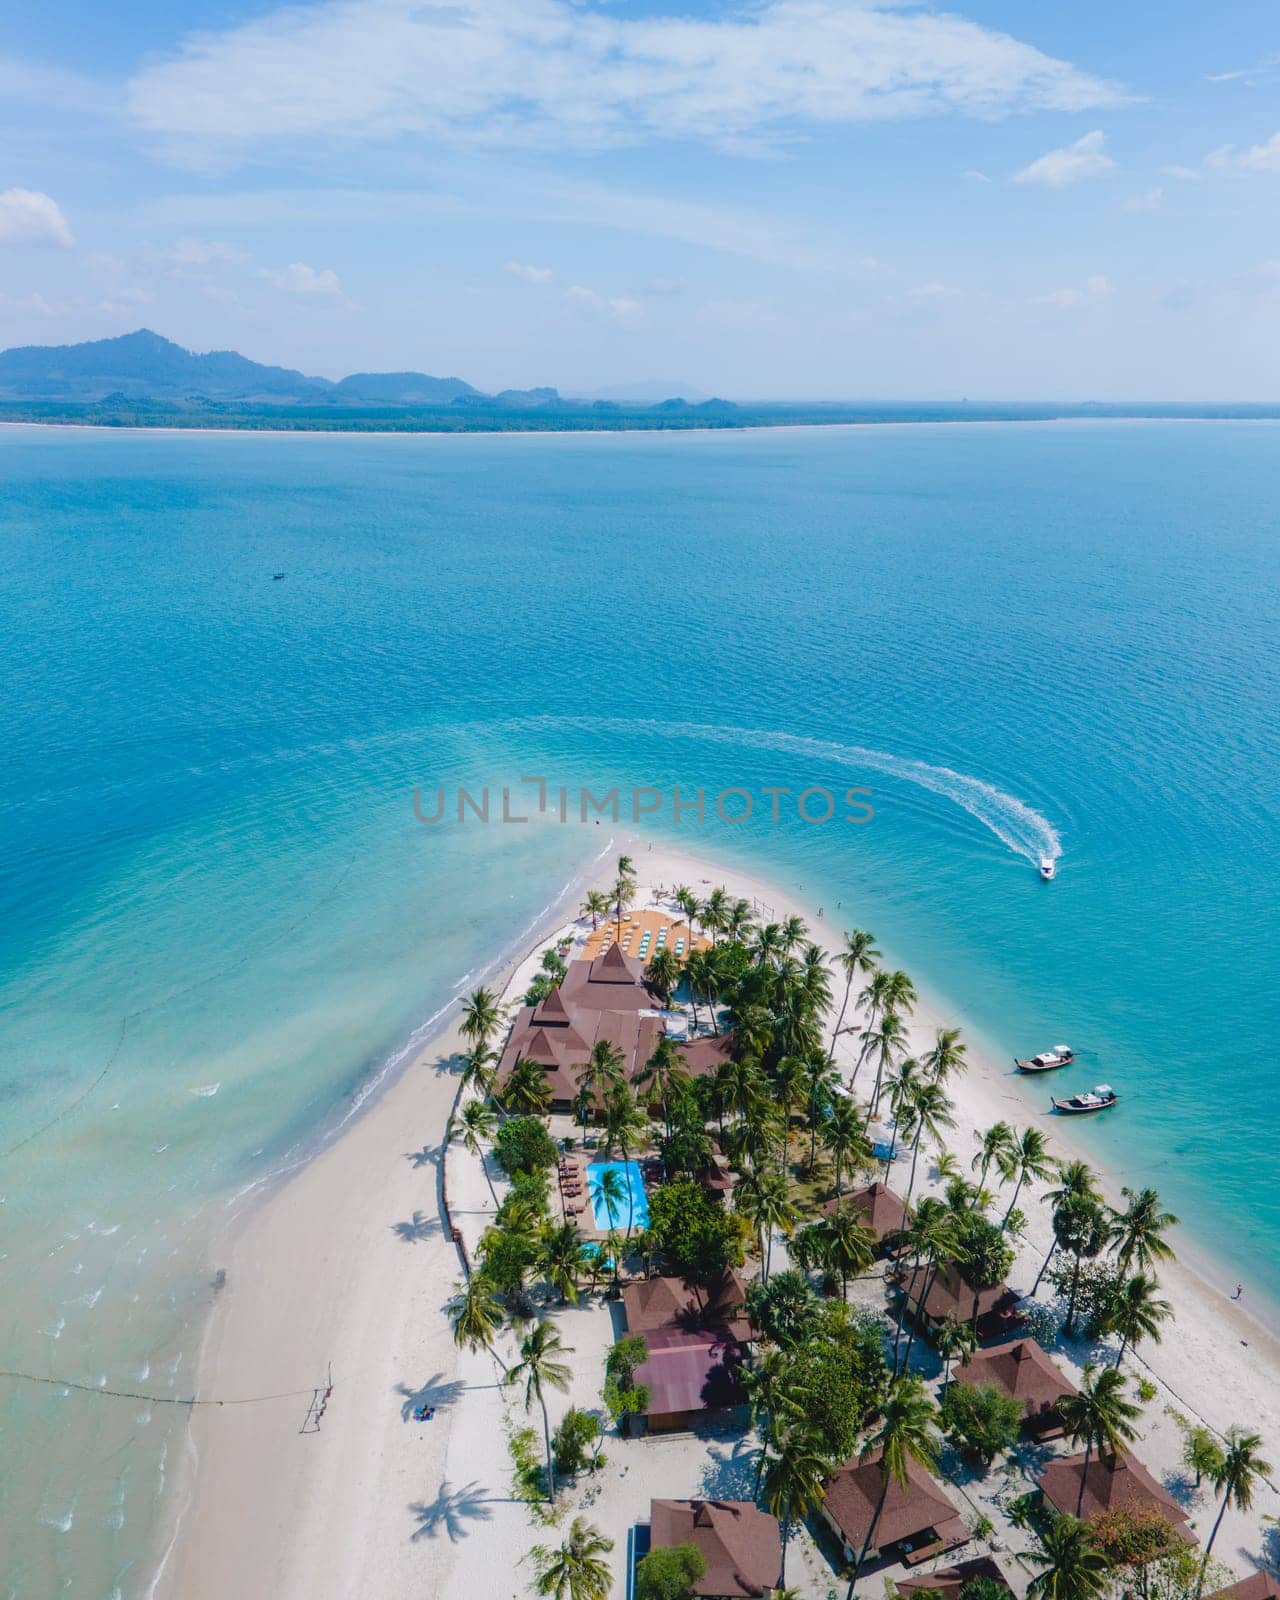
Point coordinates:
pixel 318 1271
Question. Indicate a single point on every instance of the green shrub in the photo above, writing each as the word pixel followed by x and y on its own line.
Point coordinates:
pixel 670 1573
pixel 572 1441
pixel 693 1233
pixel 524 1145
pixel 982 1419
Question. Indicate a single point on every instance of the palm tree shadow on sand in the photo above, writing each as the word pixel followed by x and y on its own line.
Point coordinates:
pixel 420 1226
pixel 450 1513
pixel 730 1474
pixel 437 1392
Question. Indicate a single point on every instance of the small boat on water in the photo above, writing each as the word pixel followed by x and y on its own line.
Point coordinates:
pixel 276 577
pixel 1048 868
pixel 1062 1055
pixel 1080 1105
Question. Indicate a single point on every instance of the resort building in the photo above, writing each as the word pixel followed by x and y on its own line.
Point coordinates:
pixel 883 1211
pixel 696 1341
pixel 1111 1483
pixel 948 1293
pixel 741 1545
pixel 1024 1371
pixel 704 1057
pixel 1259 1586
pixel 948 1581
pixel 918 1520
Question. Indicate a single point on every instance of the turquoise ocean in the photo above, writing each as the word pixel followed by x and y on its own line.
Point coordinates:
pixel 221 923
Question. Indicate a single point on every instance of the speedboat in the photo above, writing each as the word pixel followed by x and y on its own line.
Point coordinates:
pixel 1080 1105
pixel 1062 1055
pixel 1048 868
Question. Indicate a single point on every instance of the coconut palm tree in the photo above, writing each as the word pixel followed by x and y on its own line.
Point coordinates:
pixel 607 1187
pixel 849 1246
pixel 946 1059
pixel 932 1237
pixel 704 983
pixel 762 1198
pixel 475 1313
pixel 573 1570
pixel 905 1434
pixel 844 1134
pixel 996 1149
pixel 857 958
pixel 665 1074
pixel 479 1071
pixel 929 1111
pixel 1076 1181
pixel 766 947
pixel 738 920
pixel 820 1079
pixel 596 905
pixel 627 1127
pixel 714 913
pixel 794 1477
pixel 1099 1417
pixel 791 933
pixel 1081 1226
pixel 887 1045
pixel 602 1070
pixel 624 888
pixel 663 973
pixel 474 1123
pixel 1139 1231
pixel 539 1369
pixel 954 1340
pixel 481 1017
pixel 788 1084
pixel 526 1091
pixel 1029 1161
pixel 1136 1313
pixel 561 1260
pixel 1235 1479
pixel 1071 1566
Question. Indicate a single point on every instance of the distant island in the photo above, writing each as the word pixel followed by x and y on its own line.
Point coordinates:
pixel 143 380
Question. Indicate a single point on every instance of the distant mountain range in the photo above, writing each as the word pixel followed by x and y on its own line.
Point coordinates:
pixel 145 368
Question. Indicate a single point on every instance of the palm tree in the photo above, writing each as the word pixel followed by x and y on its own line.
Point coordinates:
pixel 602 1070
pixel 1082 1227
pixel 954 1340
pixel 688 902
pixel 1139 1231
pixel 573 1570
pixel 474 1123
pixel 1071 1566
pixel 1235 1479
pixel 1029 1159
pixel 481 1017
pixel 539 1369
pixel 703 978
pixel 849 1246
pixel 791 933
pixel 820 1079
pixel 845 1135
pixel 738 919
pixel 1077 1181
pixel 526 1091
pixel 561 1258
pixel 788 1084
pixel 761 1197
pixel 1099 1417
pixel 479 1072
pixel 1136 1313
pixel 858 957
pixel 607 1186
pixel 947 1057
pixel 625 1126
pixel 766 947
pixel 715 913
pixel 663 973
pixel 595 906
pixel 624 888
pixel 929 1111
pixel 933 1236
pixel 905 1434
pixel 475 1313
pixel 888 1044
pixel 794 1480
pixel 998 1145
pixel 665 1072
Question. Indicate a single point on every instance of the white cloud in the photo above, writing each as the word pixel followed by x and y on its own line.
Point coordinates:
pixel 1183 174
pixel 977 177
pixel 1096 288
pixel 299 278
pixel 1149 200
pixel 935 291
pixel 1258 158
pixel 501 72
pixel 521 269
pixel 28 217
pixel 188 252
pixel 620 309
pixel 1086 158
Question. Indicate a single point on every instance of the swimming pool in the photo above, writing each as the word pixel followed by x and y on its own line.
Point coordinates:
pixel 632 1204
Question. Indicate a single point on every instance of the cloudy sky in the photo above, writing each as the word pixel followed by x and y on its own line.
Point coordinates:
pixel 790 198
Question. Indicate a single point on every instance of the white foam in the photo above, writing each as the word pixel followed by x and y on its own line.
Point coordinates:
pixel 207 1091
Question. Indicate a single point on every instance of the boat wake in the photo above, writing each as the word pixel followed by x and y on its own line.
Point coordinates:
pixel 1018 826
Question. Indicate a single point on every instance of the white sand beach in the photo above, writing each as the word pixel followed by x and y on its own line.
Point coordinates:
pixel 347 1264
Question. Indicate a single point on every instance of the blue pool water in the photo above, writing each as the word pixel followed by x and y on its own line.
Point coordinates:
pixel 219 918
pixel 632 1207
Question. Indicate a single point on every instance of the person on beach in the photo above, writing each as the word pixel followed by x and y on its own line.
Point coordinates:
pixel 1239 1291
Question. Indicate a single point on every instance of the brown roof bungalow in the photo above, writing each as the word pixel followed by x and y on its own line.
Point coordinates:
pixel 653 1303
pixel 1023 1370
pixel 950 1294
pixel 704 1057
pixel 1259 1586
pixel 612 982
pixel 918 1520
pixel 1112 1483
pixel 883 1211
pixel 948 1581
pixel 742 1546
pixel 688 1373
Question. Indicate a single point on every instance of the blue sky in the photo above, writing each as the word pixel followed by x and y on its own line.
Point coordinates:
pixel 790 198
